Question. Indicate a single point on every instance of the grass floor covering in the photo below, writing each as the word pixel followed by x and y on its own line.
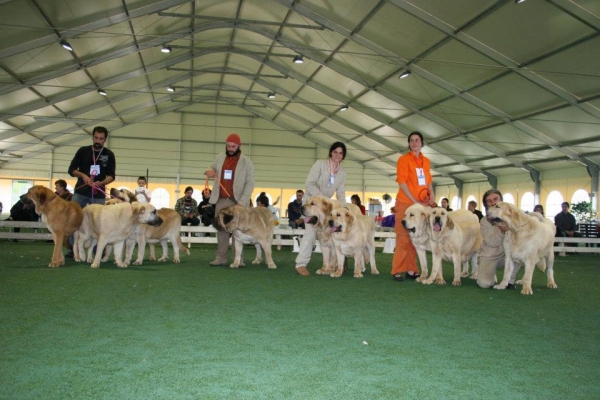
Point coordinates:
pixel 191 331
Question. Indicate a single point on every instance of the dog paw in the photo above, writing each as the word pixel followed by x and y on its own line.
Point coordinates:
pixel 358 275
pixel 335 274
pixel 272 266
pixel 137 263
pixel 163 259
pixel 527 291
pixel 234 265
pixel 122 264
pixel 152 258
pixel 519 282
pixel 94 265
pixel 474 276
pixel 456 283
pixel 322 271
pixel 374 271
pixel 426 281
pixel 54 264
pixel 257 261
pixel 176 261
pixel 552 285
pixel 500 287
pixel 464 274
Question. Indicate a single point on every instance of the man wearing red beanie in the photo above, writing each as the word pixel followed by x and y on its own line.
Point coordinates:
pixel 234 183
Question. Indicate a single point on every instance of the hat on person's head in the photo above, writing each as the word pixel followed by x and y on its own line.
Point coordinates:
pixel 234 138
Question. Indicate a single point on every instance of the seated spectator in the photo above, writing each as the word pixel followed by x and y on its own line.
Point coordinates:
pixel 205 209
pixel 539 209
pixel 566 226
pixel 187 207
pixel 473 208
pixel 263 201
pixel 22 212
pixel 390 220
pixel 294 211
pixel 60 187
pixel 356 200
pixel 446 204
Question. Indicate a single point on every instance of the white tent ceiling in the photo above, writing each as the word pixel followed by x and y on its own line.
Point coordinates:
pixel 496 87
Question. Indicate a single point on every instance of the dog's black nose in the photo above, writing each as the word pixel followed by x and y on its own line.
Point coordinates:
pixel 331 223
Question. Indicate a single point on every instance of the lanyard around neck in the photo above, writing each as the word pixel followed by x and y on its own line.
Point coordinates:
pixel 95 159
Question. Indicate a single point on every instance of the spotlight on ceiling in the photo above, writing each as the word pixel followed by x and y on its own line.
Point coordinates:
pixel 271 95
pixel 166 49
pixel 298 59
pixel 405 74
pixel 170 89
pixel 519 1
pixel 66 45
pixel 344 107
pixel 102 92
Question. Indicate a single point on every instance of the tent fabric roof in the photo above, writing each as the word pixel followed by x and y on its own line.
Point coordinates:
pixel 496 87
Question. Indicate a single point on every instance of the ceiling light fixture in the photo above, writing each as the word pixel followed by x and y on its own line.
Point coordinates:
pixel 298 59
pixel 271 95
pixel 102 92
pixel 344 107
pixel 66 45
pixel 166 49
pixel 170 89
pixel 405 74
pixel 519 1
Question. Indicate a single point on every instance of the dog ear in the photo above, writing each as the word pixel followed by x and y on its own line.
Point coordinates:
pixel 449 223
pixel 42 197
pixel 227 218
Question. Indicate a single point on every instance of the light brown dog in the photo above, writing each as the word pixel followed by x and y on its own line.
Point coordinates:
pixel 353 236
pixel 316 211
pixel 454 236
pixel 416 222
pixel 168 230
pixel 111 225
pixel 62 217
pixel 248 226
pixel 529 240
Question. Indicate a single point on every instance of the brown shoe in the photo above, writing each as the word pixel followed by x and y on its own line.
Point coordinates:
pixel 217 262
pixel 302 271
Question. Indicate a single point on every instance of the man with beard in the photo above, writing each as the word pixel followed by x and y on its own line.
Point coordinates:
pixel 234 182
pixel 94 167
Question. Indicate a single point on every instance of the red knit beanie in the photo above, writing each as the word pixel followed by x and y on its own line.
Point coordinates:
pixel 234 138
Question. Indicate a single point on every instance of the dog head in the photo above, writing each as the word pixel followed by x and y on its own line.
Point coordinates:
pixel 225 220
pixel 507 215
pixel 316 210
pixel 340 220
pixel 440 222
pixel 416 219
pixel 145 214
pixel 37 196
pixel 121 195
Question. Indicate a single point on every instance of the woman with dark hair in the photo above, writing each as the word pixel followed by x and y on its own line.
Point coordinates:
pixel 446 204
pixel 539 209
pixel 356 200
pixel 414 186
pixel 326 178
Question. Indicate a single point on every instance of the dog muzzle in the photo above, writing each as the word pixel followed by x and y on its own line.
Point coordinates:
pixel 437 224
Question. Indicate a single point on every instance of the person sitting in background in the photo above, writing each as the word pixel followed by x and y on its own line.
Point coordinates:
pixel 446 204
pixel 187 208
pixel 205 209
pixel 473 208
pixel 539 209
pixel 22 212
pixel 60 187
pixel 356 200
pixel 294 211
pixel 390 220
pixel 566 226
pixel 263 201
pixel 142 194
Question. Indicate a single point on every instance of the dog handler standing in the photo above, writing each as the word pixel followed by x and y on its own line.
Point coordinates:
pixel 94 167
pixel 491 256
pixel 325 178
pixel 234 182
pixel 414 182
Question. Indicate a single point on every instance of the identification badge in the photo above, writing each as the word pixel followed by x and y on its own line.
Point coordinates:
pixel 228 174
pixel 421 177
pixel 331 178
pixel 94 170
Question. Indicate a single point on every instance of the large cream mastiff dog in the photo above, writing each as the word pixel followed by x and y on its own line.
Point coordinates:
pixel 528 240
pixel 416 222
pixel 316 211
pixel 353 236
pixel 62 218
pixel 454 236
pixel 111 225
pixel 249 226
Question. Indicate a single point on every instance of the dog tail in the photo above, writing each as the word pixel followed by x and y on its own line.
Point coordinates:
pixel 541 265
pixel 181 246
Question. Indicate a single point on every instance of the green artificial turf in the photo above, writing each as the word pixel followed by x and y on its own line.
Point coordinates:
pixel 191 331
